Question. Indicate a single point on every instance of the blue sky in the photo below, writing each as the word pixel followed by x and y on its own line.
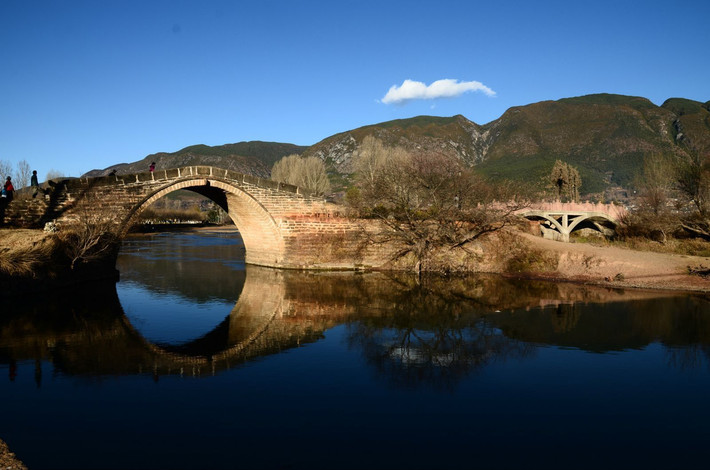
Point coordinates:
pixel 87 84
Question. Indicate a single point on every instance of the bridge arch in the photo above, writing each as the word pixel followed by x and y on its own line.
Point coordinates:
pixel 263 240
pixel 565 222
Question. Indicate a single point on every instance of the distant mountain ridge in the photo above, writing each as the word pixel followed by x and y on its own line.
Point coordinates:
pixel 606 136
pixel 253 158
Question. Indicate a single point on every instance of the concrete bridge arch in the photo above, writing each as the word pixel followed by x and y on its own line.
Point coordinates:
pixel 560 224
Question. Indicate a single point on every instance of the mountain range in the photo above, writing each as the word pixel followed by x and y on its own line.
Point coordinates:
pixel 606 137
pixel 253 158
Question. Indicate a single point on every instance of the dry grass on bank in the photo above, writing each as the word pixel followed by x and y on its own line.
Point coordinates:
pixel 8 460
pixel 24 251
pixel 675 246
pixel 687 247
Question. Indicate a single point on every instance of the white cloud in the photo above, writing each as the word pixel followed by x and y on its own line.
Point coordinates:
pixel 447 88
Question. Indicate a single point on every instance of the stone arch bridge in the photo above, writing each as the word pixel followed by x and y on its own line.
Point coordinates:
pixel 281 225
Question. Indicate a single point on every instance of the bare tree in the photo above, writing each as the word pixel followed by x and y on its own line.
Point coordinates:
pixel 656 182
pixel 286 169
pixel 314 175
pixel 5 170
pixel 376 167
pixel 24 172
pixel 427 202
pixel 308 172
pixel 54 174
pixel 694 181
pixel 92 237
pixel 371 159
pixel 566 181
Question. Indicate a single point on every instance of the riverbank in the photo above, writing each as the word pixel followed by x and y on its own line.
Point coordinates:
pixel 514 254
pixel 621 267
pixel 35 261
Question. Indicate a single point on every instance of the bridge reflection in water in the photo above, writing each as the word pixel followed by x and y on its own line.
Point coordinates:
pixel 433 332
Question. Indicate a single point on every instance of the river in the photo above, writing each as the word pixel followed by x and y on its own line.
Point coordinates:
pixel 194 360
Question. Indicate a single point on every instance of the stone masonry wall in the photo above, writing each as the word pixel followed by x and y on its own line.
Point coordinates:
pixel 282 225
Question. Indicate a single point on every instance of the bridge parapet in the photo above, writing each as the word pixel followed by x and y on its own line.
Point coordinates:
pixel 167 175
pixel 610 211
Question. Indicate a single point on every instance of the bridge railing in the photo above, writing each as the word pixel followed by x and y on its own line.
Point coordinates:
pixel 187 172
pixel 612 211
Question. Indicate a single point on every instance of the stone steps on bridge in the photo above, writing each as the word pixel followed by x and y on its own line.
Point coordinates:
pixel 24 212
pixel 28 212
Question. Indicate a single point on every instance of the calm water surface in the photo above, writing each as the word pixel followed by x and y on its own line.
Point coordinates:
pixel 195 361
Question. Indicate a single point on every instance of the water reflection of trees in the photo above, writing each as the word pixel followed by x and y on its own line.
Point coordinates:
pixel 426 338
pixel 441 329
pixel 439 359
pixel 691 356
pixel 687 338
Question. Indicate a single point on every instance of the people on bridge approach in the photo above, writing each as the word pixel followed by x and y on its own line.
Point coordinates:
pixel 7 194
pixel 8 191
pixel 34 183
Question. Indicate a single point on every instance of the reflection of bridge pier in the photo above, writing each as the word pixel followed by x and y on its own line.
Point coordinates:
pixel 261 302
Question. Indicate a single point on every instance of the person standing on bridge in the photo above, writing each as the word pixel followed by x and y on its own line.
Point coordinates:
pixel 34 183
pixel 8 191
pixel 152 167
